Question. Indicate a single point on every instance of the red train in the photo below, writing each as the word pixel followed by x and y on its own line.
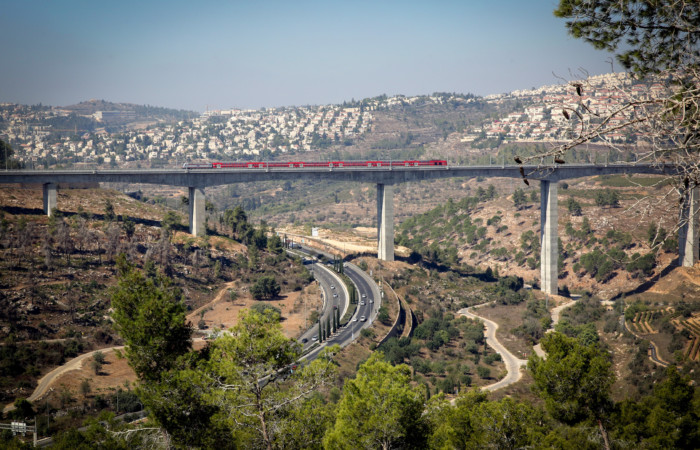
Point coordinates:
pixel 300 164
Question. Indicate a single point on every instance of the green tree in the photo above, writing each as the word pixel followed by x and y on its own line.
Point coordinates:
pixel 274 244
pixel 6 160
pixel 574 207
pixel 237 220
pixel 305 423
pixel 519 198
pixel 453 426
pixel 171 220
pixel 383 315
pixel 265 288
pixel 23 409
pixel 109 211
pixel 379 409
pixel 263 308
pixel 574 380
pixel 658 43
pixel 253 257
pixel 647 36
pixel 129 228
pixel 150 317
pixel 245 377
pixel 667 418
pixel 491 192
pixel 608 197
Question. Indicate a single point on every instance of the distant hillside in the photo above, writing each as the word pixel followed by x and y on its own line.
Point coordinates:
pixel 142 112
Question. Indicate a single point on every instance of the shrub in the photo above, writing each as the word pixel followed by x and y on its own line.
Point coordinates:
pixel 574 207
pixel 366 332
pixel 99 357
pixel 642 265
pixel 264 308
pixel 265 288
pixel 383 316
pixel 483 372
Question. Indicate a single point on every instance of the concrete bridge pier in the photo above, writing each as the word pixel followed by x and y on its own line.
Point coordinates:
pixel 50 196
pixel 549 253
pixel 385 222
pixel 197 211
pixel 688 233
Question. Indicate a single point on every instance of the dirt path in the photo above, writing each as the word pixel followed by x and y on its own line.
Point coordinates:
pixel 224 290
pixel 47 380
pixel 512 362
pixel 556 315
pixel 19 287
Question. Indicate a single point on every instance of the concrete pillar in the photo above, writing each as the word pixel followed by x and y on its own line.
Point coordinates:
pixel 50 202
pixel 688 233
pixel 549 219
pixel 385 222
pixel 197 212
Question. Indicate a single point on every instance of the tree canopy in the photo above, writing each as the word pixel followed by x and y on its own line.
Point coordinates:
pixel 379 409
pixel 150 317
pixel 574 380
pixel 6 160
pixel 648 35
pixel 245 375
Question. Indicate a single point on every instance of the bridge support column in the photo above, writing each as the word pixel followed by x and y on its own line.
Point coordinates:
pixel 549 219
pixel 197 211
pixel 688 234
pixel 50 195
pixel 385 222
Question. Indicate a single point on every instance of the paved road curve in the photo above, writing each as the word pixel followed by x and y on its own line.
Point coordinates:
pixel 335 295
pixel 513 364
pixel 365 287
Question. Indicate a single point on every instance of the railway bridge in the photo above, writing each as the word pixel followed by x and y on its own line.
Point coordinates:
pixel 197 180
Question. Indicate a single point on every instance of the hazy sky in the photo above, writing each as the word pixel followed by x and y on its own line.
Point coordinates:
pixel 196 54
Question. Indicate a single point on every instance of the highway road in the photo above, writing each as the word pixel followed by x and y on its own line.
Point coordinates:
pixel 335 294
pixel 368 306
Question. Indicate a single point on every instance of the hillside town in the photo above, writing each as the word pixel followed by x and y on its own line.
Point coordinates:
pixel 220 134
pixel 543 116
pixel 537 115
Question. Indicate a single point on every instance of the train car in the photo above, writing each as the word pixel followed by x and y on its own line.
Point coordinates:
pixel 197 166
pixel 307 164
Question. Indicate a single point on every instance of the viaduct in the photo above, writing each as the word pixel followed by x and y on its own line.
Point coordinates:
pixel 385 178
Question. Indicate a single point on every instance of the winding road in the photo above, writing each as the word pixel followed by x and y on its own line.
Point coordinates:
pixel 45 382
pixel 513 363
pixel 653 348
pixel 556 315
